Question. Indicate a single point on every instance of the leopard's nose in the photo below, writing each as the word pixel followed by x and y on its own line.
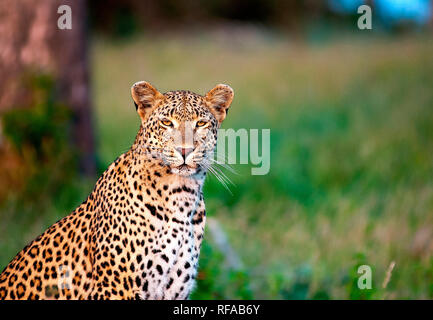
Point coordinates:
pixel 185 152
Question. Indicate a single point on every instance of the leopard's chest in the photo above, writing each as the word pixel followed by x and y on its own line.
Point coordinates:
pixel 174 264
pixel 173 251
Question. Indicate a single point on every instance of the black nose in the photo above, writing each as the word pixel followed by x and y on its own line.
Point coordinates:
pixel 184 152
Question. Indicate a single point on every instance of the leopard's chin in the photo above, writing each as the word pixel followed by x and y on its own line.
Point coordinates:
pixel 184 170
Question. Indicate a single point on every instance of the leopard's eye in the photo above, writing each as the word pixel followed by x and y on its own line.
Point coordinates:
pixel 201 123
pixel 166 123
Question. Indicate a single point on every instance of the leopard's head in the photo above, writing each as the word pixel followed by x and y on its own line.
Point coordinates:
pixel 180 127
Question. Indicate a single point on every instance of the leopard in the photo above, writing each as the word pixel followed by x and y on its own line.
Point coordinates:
pixel 138 235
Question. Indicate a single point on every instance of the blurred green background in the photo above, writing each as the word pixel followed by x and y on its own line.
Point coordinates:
pixel 350 182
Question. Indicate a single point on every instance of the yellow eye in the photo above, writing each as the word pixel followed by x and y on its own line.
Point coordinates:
pixel 201 123
pixel 166 123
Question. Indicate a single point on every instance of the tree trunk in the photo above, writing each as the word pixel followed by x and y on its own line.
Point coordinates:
pixel 30 38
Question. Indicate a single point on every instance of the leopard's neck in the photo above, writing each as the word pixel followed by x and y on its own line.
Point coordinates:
pixel 146 180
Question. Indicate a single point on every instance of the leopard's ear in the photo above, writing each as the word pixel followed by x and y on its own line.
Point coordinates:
pixel 218 100
pixel 145 97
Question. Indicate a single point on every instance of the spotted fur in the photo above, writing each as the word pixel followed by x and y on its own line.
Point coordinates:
pixel 138 234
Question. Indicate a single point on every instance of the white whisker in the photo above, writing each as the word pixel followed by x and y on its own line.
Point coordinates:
pixel 220 179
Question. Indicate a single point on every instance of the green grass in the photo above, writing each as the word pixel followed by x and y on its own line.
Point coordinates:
pixel 351 158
